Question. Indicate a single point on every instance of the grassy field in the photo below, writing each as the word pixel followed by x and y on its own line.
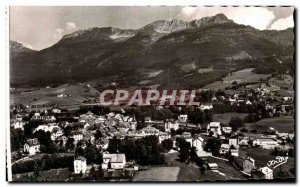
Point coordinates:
pixel 241 76
pixel 157 174
pixel 187 172
pixel 191 172
pixel 226 168
pixel 44 95
pixel 53 175
pixel 226 117
pixel 281 124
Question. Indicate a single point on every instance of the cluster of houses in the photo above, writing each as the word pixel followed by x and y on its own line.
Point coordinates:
pixel 253 94
pixel 88 127
pixel 251 169
pixel 121 126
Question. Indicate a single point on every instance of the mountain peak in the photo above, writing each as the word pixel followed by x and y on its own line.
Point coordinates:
pixel 96 34
pixel 216 19
pixel 167 26
pixel 18 47
pixel 220 16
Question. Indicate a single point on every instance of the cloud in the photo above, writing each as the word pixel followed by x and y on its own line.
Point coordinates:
pixel 58 34
pixel 283 23
pixel 257 17
pixel 71 26
pixel 280 12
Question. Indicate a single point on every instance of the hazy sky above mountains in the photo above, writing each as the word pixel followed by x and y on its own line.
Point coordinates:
pixel 41 27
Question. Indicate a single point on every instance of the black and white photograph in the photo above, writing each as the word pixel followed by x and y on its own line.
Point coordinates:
pixel 141 94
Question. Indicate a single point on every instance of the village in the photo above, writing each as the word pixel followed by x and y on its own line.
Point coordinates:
pixel 231 135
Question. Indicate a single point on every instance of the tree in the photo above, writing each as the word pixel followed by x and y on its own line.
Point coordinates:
pixel 282 174
pixel 17 139
pixel 213 145
pixel 70 143
pixel 291 152
pixel 236 123
pixel 179 131
pixel 184 147
pixel 30 126
pixel 45 139
pixel 113 145
pixel 98 135
pixel 67 131
pixel 38 167
pixel 167 144
pixel 184 153
pixel 91 153
pixel 145 151
pixel 250 142
pixel 173 132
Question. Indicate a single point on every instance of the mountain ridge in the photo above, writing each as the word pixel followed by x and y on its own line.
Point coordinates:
pixel 128 54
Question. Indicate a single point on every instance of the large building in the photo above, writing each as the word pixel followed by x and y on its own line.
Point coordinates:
pixel 113 161
pixel 80 165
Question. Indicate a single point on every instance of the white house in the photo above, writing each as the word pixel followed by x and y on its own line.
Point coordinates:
pixel 267 172
pixel 183 118
pixel 227 130
pixel 149 130
pixel 77 136
pixel 263 173
pixel 198 144
pixel 233 142
pixel 287 98
pixel 232 101
pixel 113 161
pixel 266 143
pixel 212 166
pixel 248 102
pixel 148 119
pixel 163 136
pixel 37 117
pixel 243 141
pixel 56 110
pixel 80 165
pixel 56 133
pixel 234 152
pixel 248 164
pixel 215 128
pixel 19 125
pixel 32 146
pixel 205 107
pixel 224 149
pixel 171 124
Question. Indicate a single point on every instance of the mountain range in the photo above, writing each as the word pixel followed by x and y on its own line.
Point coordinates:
pixel 171 53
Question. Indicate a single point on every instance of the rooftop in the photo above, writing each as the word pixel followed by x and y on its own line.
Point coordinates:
pixel 115 157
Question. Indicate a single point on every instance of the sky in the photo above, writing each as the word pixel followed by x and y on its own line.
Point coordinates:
pixel 41 27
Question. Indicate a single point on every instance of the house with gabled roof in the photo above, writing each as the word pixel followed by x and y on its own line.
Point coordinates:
pixel 32 146
pixel 113 161
pixel 80 165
